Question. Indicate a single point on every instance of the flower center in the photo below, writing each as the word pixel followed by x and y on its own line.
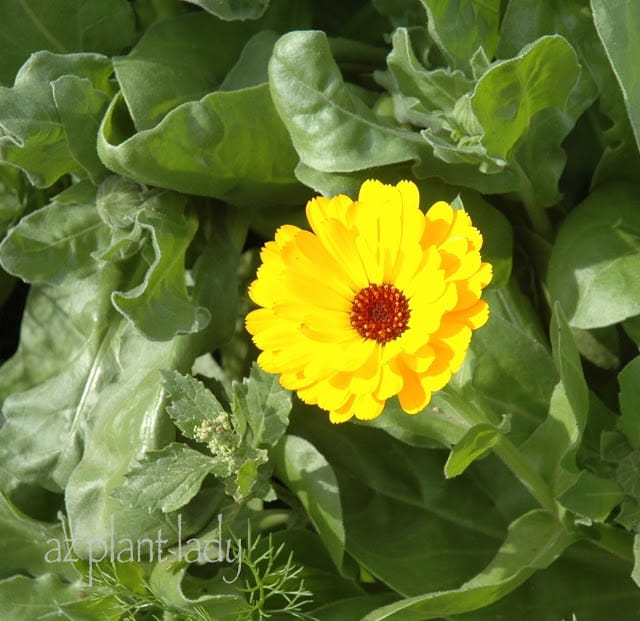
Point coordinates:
pixel 380 312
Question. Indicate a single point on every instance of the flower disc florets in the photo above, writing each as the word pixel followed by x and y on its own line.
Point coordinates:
pixel 378 299
pixel 380 312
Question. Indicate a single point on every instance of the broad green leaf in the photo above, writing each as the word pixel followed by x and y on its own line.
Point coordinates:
pixel 627 474
pixel 523 22
pixel 64 361
pixel 234 9
pixel 215 272
pixel 105 26
pixel 84 401
pixel 629 421
pixel 433 519
pixel 461 27
pixel 167 479
pixel 507 97
pixel 160 305
pixel 252 65
pixel 24 599
pixel 592 496
pixel 594 266
pixel 177 60
pixel 127 421
pixel 35 136
pixel 512 368
pixel 308 474
pixel 585 584
pixel 353 607
pixel 12 199
pixel 219 148
pixel 439 425
pixel 55 243
pixel 166 582
pixel 331 128
pixel 613 21
pixel 25 544
pixel 473 445
pixel 551 448
pixel 81 107
pixel 533 542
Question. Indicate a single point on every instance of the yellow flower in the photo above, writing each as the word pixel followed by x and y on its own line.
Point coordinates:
pixel 379 300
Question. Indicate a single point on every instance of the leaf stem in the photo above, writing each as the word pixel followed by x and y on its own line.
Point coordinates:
pixel 508 453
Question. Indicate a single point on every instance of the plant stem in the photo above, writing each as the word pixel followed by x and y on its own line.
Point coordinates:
pixel 508 453
pixel 540 222
pixel 538 487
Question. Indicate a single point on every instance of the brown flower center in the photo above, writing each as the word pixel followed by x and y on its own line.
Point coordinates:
pixel 380 312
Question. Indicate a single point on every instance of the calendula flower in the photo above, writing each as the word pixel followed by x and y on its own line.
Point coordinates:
pixel 379 299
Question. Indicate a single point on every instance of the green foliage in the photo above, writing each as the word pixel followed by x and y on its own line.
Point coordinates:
pixel 147 150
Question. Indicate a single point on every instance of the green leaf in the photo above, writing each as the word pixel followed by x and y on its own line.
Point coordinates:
pixel 438 425
pixel 331 127
pixel 551 448
pixel 264 405
pixel 167 582
pixel 508 96
pixel 567 361
pixel 629 422
pixel 25 544
pixel 627 474
pixel 592 496
pixel 54 379
pixel 105 26
pixel 635 574
pixel 160 305
pixel 612 21
pixel 191 404
pixel 595 262
pixel 172 64
pixel 41 133
pixel 167 479
pixel 81 107
pixel 460 28
pixel 523 22
pixel 85 399
pixel 55 243
pixel 353 607
pixel 219 148
pixel 23 598
pixel 234 9
pixel 512 368
pixel 443 531
pixel 533 542
pixel 422 97
pixel 308 474
pixel 474 444
pixel 571 589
